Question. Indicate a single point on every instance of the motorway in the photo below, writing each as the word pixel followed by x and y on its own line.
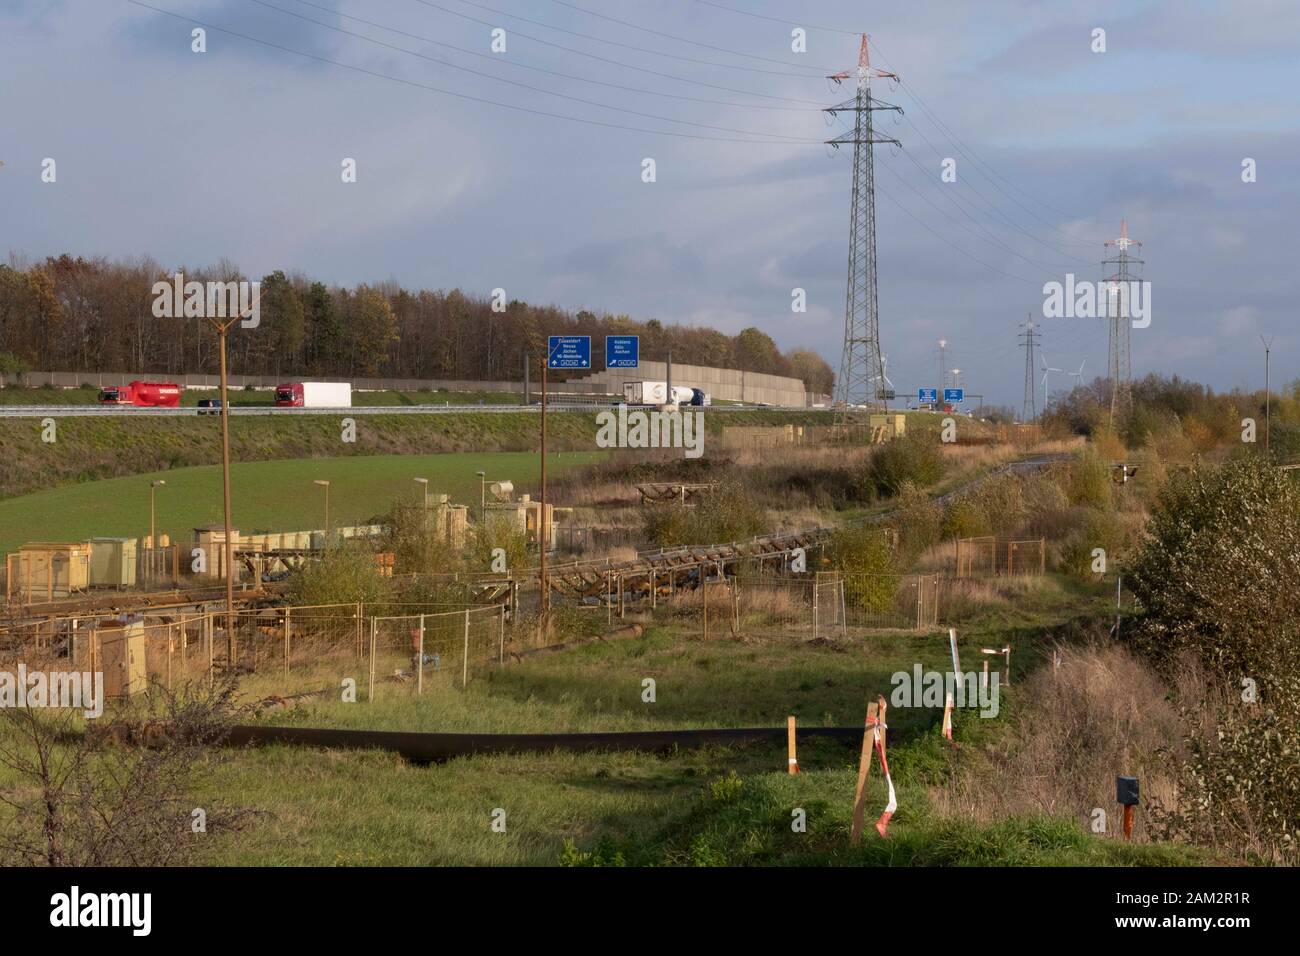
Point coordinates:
pixel 102 411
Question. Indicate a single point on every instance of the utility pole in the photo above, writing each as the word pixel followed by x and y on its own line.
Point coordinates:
pixel 544 601
pixel 222 328
pixel 1120 369
pixel 1028 409
pixel 1268 347
pixel 862 372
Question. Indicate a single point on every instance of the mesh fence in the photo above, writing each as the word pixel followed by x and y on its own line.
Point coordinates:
pixel 989 555
pixel 830 604
pixel 421 653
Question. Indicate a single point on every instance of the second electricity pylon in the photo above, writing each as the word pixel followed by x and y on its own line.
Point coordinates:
pixel 1118 289
pixel 1029 410
pixel 862 374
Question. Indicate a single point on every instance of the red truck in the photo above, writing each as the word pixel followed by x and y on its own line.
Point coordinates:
pixel 142 395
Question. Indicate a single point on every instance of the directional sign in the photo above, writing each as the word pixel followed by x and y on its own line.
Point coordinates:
pixel 927 396
pixel 568 351
pixel 953 396
pixel 622 351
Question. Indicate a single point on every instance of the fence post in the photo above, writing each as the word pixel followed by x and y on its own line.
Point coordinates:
pixel 501 631
pixel 358 631
pixel 464 664
pixel 844 613
pixel 419 660
pixel 621 591
pixel 652 589
pixel 816 622
pixel 287 612
pixel 370 690
pixel 207 639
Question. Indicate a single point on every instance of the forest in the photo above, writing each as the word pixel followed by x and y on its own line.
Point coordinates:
pixel 82 315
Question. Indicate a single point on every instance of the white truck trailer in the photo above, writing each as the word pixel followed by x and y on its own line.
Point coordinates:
pixel 656 393
pixel 314 395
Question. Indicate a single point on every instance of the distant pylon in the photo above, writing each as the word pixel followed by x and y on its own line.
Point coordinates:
pixel 862 375
pixel 1028 409
pixel 1119 368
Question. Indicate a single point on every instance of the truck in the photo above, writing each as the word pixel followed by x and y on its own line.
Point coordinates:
pixel 142 395
pixel 656 393
pixel 314 395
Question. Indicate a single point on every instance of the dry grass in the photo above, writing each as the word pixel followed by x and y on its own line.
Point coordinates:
pixel 1100 713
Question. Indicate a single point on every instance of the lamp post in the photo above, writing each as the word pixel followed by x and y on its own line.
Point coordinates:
pixel 222 326
pixel 424 484
pixel 326 485
pixel 153 540
pixel 482 490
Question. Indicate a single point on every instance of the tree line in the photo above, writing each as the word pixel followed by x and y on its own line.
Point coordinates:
pixel 85 315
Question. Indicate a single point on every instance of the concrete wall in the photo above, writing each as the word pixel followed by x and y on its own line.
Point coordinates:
pixel 724 383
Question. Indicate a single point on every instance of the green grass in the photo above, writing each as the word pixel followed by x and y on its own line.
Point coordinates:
pixel 268 495
pixel 711 806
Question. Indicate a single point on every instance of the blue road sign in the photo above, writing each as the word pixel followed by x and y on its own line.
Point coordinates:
pixel 568 351
pixel 953 396
pixel 622 351
pixel 927 396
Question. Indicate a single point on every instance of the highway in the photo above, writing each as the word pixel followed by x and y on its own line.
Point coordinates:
pixel 127 411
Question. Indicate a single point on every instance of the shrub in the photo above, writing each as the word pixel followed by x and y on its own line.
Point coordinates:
pixel 1092 529
pixel 1089 481
pixel 919 519
pixel 344 575
pixel 1216 579
pixel 497 531
pixel 913 459
pixel 863 556
pixel 965 518
pixel 729 513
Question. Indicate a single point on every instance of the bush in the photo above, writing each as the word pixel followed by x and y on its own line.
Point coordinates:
pixel 864 557
pixel 1216 579
pixel 345 575
pixel 919 520
pixel 913 459
pixel 496 531
pixel 965 518
pixel 729 513
pixel 1089 481
pixel 1092 529
pixel 412 537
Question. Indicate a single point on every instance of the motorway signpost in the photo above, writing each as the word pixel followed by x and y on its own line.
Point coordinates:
pixel 927 396
pixel 568 351
pixel 953 396
pixel 622 351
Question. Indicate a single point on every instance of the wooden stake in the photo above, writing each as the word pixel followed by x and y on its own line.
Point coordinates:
pixel 864 770
pixel 792 760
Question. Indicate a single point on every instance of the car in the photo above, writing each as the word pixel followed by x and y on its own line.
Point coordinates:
pixel 209 406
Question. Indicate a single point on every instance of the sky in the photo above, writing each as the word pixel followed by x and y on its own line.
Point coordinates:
pixel 523 168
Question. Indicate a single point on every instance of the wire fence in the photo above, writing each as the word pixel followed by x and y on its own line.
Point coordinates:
pixel 828 604
pixel 989 555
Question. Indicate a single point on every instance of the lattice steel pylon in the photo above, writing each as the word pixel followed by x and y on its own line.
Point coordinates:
pixel 1118 300
pixel 1029 409
pixel 862 383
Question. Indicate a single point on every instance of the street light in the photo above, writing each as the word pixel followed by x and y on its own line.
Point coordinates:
pixel 424 484
pixel 326 485
pixel 153 540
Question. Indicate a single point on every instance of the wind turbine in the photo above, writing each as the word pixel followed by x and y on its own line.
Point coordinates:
pixel 1078 376
pixel 1046 369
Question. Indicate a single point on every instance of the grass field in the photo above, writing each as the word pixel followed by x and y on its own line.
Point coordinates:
pixel 714 806
pixel 268 495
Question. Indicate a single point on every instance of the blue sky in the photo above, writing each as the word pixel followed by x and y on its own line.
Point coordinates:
pixel 236 153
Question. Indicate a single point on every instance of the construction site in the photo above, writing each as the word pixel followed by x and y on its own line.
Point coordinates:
pixel 659 495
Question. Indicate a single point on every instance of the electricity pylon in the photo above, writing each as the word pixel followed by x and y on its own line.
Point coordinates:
pixel 1028 409
pixel 862 375
pixel 1118 298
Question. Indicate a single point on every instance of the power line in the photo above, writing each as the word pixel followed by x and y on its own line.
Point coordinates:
pixel 434 89
pixel 629 46
pixel 618 63
pixel 706 46
pixel 526 86
pixel 789 23
pixel 497 58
